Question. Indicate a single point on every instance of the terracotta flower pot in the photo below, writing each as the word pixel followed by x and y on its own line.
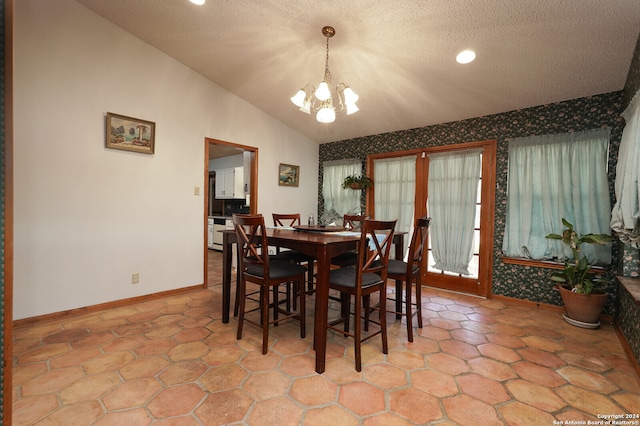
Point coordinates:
pixel 584 308
pixel 355 185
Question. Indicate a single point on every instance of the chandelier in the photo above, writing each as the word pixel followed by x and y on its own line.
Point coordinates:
pixel 321 101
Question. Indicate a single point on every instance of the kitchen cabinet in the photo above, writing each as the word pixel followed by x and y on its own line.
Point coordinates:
pixel 230 183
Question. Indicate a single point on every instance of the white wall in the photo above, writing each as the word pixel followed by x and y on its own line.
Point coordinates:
pixel 87 217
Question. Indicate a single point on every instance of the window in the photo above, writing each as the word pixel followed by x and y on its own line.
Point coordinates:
pixel 553 177
pixel 339 201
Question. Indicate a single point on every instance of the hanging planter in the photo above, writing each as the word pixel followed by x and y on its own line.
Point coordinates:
pixel 357 182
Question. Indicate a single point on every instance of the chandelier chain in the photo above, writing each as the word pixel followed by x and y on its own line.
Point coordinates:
pixel 327 73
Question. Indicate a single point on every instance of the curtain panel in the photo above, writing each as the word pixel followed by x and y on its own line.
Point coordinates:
pixel 625 216
pixel 552 177
pixel 336 199
pixel 453 190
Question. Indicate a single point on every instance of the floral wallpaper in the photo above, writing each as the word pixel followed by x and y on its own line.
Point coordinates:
pixel 599 111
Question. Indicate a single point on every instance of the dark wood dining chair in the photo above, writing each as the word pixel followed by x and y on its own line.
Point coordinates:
pixel 255 266
pixel 353 223
pixel 409 272
pixel 290 220
pixel 367 277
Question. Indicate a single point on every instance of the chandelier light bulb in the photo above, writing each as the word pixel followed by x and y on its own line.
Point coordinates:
pixel 323 92
pixel 351 108
pixel 326 115
pixel 350 96
pixel 298 98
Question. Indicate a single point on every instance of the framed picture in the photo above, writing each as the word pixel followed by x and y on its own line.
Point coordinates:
pixel 288 175
pixel 130 134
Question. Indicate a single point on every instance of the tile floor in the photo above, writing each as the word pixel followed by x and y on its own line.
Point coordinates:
pixel 172 362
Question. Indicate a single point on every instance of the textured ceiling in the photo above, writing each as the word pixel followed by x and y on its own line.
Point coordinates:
pixel 399 56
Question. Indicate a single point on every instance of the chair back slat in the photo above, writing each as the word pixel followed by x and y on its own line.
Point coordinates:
pixel 280 219
pixel 251 236
pixel 374 247
pixel 352 221
pixel 418 244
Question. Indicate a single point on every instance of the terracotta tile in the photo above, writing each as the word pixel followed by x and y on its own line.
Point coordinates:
pixel 385 376
pixel 596 364
pixel 433 307
pixel 186 351
pixel 519 414
pixel 118 313
pixel 452 315
pixel 196 322
pixel 543 344
pixel 65 336
pixel 499 353
pixel 266 385
pixel 276 412
pixel 630 402
pixel 587 401
pixel 446 363
pixel 386 419
pixel 329 416
pixel 123 343
pixel 506 340
pixel 80 414
pixel 478 326
pixel 224 377
pixel 459 349
pixel 299 365
pixel 191 335
pixel 44 352
pixel 182 372
pixel 154 347
pixel 435 333
pixel 538 356
pixel 176 400
pixel 108 325
pixel 575 416
pixel 508 329
pixel 163 331
pixel 52 381
pixel 544 376
pixel 314 390
pixel 135 417
pixel 479 387
pixel 463 309
pixel 434 383
pixel 492 369
pixel 468 336
pixel 36 331
pixel 23 373
pixel 627 382
pixel 292 346
pixel 467 411
pixel 361 398
pixel 108 362
pixel 223 355
pixel 406 359
pixel 535 395
pixel 445 324
pixel 89 388
pixel 481 318
pixel 255 361
pixel 224 408
pixel 26 411
pixel 94 339
pixel 414 405
pixel 131 393
pixel 587 380
pixel 75 357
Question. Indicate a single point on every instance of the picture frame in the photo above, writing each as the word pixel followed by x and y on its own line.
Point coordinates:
pixel 130 134
pixel 288 175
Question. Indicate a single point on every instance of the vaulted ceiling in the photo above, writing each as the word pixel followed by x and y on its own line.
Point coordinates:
pixel 399 56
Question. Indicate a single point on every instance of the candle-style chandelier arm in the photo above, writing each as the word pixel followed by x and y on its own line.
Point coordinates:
pixel 322 102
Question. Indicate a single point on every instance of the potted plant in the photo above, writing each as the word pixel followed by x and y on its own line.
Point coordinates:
pixel 357 182
pixel 583 292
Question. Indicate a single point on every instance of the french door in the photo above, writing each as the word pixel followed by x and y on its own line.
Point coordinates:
pixel 480 269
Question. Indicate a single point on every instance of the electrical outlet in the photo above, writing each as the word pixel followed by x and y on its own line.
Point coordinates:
pixel 135 278
pixel 196 190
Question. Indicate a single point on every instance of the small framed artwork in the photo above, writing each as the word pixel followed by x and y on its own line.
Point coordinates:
pixel 130 134
pixel 288 175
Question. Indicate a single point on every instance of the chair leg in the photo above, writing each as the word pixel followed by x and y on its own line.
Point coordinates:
pixel 366 301
pixel 419 300
pixel 409 315
pixel 302 313
pixel 240 292
pixel 264 315
pixel 345 307
pixel 276 302
pixel 398 299
pixel 383 319
pixel 357 334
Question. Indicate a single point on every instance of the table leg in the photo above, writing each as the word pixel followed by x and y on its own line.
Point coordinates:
pixel 398 240
pixel 322 309
pixel 227 254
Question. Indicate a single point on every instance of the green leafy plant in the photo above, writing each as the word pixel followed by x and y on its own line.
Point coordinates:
pixel 357 182
pixel 575 275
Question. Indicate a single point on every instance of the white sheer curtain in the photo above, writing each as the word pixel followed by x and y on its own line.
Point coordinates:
pixel 453 190
pixel 337 199
pixel 553 177
pixel 394 189
pixel 625 217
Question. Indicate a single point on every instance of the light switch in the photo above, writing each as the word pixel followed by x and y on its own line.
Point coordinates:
pixel 196 190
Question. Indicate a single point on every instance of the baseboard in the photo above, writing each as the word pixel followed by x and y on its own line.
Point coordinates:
pixel 627 349
pixel 103 306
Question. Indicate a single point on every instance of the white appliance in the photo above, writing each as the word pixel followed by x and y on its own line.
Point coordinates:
pixel 219 224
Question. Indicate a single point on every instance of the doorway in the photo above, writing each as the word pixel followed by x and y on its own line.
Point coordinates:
pixel 214 150
pixel 479 282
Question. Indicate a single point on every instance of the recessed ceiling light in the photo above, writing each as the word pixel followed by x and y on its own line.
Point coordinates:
pixel 198 2
pixel 466 56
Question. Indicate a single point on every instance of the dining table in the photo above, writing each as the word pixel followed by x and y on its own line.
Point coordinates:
pixel 319 243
